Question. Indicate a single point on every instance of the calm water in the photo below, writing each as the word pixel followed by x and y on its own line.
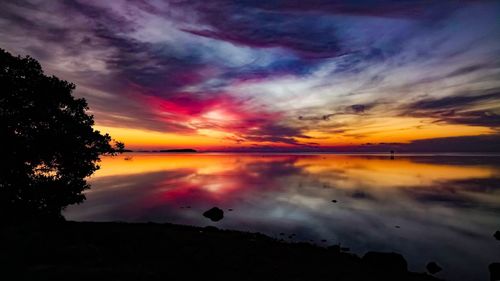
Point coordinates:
pixel 447 207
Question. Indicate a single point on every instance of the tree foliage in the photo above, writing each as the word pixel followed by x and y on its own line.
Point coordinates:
pixel 49 144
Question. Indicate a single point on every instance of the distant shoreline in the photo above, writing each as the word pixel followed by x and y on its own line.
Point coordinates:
pixel 193 151
pixel 183 150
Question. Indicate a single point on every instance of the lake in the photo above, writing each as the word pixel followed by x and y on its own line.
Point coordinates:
pixel 442 208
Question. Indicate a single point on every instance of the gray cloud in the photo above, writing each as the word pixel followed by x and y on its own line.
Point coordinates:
pixel 459 109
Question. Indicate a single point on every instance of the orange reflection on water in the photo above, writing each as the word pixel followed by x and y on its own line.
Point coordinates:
pixel 383 172
pixel 216 174
pixel 344 171
pixel 139 163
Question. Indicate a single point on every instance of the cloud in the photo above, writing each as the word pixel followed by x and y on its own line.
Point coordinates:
pixel 481 143
pixel 249 69
pixel 468 144
pixel 453 101
pixel 355 109
pixel 275 133
pixel 459 109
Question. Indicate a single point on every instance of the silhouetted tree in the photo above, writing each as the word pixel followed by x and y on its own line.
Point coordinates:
pixel 49 145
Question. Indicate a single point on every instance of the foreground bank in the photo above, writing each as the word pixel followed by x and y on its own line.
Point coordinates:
pixel 147 251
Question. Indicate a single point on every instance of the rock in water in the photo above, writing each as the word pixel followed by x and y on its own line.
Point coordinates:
pixel 433 268
pixel 214 214
pixel 497 235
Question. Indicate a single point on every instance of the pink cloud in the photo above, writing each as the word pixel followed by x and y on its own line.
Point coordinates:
pixel 222 112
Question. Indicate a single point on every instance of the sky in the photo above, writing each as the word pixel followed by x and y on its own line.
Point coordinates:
pixel 275 75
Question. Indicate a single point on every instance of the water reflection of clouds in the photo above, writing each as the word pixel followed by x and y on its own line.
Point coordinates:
pixel 446 210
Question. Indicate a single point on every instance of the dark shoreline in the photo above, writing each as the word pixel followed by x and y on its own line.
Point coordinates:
pixel 150 251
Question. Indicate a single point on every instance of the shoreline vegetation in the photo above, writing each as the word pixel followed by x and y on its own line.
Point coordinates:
pixel 68 250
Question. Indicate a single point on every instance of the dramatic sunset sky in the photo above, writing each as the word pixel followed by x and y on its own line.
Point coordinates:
pixel 272 75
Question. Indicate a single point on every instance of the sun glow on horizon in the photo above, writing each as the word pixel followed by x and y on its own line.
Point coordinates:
pixel 385 130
